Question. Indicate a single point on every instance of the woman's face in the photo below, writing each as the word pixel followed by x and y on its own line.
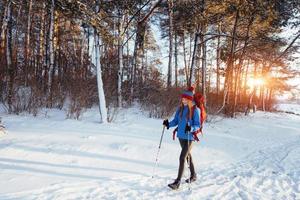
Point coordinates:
pixel 184 101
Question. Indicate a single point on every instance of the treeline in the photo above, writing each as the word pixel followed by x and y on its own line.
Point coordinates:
pixel 80 53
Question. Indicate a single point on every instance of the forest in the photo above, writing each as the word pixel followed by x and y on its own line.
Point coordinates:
pixel 75 54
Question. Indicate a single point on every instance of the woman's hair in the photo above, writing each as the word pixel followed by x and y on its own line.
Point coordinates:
pixel 190 106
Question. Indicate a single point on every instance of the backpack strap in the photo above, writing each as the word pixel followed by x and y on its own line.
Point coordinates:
pixel 193 109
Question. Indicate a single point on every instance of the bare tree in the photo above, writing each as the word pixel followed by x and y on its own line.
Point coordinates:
pixel 10 67
pixel 51 53
pixel 27 43
pixel 170 6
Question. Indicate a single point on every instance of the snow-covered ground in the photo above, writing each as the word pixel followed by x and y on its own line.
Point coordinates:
pixel 50 157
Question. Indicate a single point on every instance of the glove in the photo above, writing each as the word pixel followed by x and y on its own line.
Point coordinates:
pixel 187 128
pixel 195 136
pixel 166 123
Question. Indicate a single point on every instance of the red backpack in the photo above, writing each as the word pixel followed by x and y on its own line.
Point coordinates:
pixel 199 102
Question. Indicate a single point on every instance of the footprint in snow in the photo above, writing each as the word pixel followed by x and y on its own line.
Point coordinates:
pixel 120 146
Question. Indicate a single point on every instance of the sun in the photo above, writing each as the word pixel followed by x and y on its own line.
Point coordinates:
pixel 255 82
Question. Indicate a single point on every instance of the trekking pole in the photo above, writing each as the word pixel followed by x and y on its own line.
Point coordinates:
pixel 156 159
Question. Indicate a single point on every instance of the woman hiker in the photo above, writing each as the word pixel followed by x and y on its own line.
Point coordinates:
pixel 187 118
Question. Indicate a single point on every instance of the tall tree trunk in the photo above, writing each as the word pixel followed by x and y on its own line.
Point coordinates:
pixel 252 96
pixel 197 65
pixel 209 82
pixel 143 66
pixel 236 86
pixel 9 57
pixel 203 31
pixel 129 70
pixel 262 89
pixel 186 67
pixel 4 27
pixel 255 77
pixel 51 53
pixel 270 98
pixel 27 42
pixel 262 98
pixel 3 67
pixel 101 95
pixel 190 50
pixel 41 45
pixel 60 74
pixel 245 80
pixel 176 59
pixel 45 70
pixel 192 77
pixel 218 59
pixel 133 70
pixel 170 5
pixel 120 52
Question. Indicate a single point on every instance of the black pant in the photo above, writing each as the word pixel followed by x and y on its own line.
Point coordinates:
pixel 186 147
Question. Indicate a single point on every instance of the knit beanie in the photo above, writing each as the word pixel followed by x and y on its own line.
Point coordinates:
pixel 188 94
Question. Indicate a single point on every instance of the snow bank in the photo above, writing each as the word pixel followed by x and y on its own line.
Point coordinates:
pixel 288 107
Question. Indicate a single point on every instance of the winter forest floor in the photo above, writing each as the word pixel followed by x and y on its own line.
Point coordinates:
pixel 50 157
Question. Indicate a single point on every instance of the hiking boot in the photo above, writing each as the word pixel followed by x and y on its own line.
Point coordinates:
pixel 193 178
pixel 175 185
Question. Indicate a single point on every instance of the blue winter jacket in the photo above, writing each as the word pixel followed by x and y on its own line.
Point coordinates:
pixel 181 121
